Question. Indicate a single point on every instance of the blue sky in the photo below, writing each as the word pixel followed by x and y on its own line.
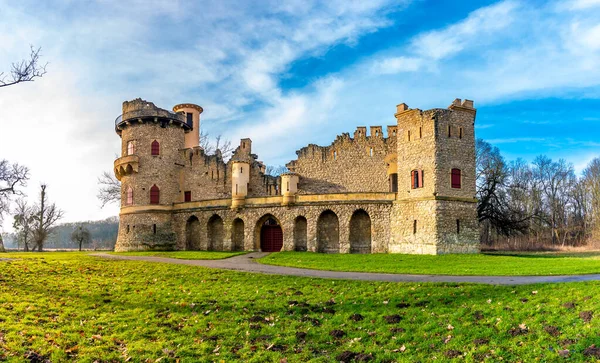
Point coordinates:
pixel 289 73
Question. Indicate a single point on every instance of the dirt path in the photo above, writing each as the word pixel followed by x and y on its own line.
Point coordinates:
pixel 247 263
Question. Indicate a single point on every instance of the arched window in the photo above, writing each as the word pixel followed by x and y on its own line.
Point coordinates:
pixel 155 148
pixel 129 196
pixel 455 178
pixel 130 147
pixel 154 195
pixel 416 177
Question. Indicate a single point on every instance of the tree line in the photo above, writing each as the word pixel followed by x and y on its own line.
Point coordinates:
pixel 542 203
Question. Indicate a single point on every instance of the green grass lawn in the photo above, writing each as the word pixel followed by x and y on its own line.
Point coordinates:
pixel 478 264
pixel 186 255
pixel 75 307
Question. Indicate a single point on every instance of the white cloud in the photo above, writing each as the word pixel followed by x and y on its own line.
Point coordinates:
pixel 397 65
pixel 225 55
pixel 479 24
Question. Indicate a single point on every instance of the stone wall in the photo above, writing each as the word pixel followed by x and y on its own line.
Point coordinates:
pixel 287 217
pixel 146 231
pixel 163 170
pixel 348 165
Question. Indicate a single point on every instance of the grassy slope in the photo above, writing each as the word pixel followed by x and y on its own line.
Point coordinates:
pixel 186 255
pixel 69 307
pixel 480 264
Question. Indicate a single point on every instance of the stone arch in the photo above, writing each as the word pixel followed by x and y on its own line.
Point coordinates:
pixel 192 234
pixel 328 232
pixel 360 232
pixel 268 226
pixel 237 234
pixel 215 233
pixel 300 233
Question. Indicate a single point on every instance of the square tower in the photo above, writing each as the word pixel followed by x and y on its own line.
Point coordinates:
pixel 435 211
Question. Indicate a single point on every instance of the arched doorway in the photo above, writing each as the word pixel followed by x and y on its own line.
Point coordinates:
pixel 237 234
pixel 328 232
pixel 215 233
pixel 192 234
pixel 271 236
pixel 300 234
pixel 360 232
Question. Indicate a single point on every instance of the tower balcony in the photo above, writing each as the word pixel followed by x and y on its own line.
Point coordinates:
pixel 143 115
pixel 126 165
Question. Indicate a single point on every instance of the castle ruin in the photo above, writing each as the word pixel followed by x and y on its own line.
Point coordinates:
pixel 411 190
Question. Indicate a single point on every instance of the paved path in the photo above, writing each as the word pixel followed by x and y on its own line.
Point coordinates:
pixel 247 263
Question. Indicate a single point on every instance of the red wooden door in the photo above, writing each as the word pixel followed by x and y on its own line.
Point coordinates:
pixel 271 239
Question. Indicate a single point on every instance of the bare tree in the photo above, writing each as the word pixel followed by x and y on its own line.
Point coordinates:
pixel 211 146
pixel 81 235
pixel 591 179
pixel 23 223
pixel 12 176
pixel 27 70
pixel 45 217
pixel 110 189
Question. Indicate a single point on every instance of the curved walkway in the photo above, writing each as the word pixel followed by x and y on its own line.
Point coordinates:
pixel 247 263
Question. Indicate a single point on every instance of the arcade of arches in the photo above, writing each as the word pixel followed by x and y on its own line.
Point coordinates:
pixel 268 233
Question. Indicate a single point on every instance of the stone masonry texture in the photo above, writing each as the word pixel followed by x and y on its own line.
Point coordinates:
pixel 356 195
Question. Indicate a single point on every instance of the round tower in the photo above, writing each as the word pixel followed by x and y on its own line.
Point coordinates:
pixel 240 178
pixel 148 169
pixel 192 118
pixel 289 188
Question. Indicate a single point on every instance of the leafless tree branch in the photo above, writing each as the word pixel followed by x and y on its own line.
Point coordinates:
pixel 109 189
pixel 27 70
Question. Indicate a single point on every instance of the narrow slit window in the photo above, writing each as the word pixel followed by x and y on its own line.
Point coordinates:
pixel 408 135
pixel 449 131
pixel 420 132
pixel 129 196
pixel 415 226
pixel 154 195
pixel 458 226
pixel 455 178
pixel 335 155
pixel 130 148
pixel 154 228
pixel 288 186
pixel 128 228
pixel 371 152
pixel 460 133
pixel 155 148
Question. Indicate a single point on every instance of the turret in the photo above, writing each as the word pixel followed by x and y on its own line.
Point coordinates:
pixel 289 188
pixel 149 170
pixel 240 178
pixel 192 118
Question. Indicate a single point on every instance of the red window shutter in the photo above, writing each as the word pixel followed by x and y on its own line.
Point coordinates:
pixel 155 148
pixel 154 195
pixel 455 178
pixel 412 179
pixel 421 180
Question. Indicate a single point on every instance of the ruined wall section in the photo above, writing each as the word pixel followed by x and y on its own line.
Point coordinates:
pixel 349 164
pixel 209 176
pixel 205 176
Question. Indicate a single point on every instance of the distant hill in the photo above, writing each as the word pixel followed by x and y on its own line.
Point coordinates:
pixel 104 235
